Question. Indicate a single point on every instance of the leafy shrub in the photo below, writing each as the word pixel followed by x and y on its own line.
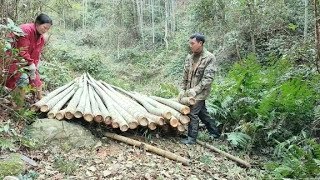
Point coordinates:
pixel 267 103
pixel 299 159
pixel 167 91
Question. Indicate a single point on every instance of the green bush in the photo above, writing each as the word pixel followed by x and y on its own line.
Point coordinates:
pixel 267 103
pixel 297 158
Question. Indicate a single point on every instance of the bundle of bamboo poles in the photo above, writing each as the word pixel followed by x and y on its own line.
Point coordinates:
pixel 92 100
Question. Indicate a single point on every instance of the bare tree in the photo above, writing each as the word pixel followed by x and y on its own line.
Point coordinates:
pixel 317 33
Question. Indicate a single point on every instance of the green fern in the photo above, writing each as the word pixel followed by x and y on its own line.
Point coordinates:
pixel 317 113
pixel 6 144
pixel 238 139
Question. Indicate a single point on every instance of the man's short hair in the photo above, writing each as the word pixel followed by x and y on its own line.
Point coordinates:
pixel 199 37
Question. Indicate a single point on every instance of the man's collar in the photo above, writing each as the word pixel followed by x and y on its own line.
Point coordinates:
pixel 203 54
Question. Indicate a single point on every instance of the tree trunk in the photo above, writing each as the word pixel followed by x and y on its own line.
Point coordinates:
pixel 152 20
pixel 317 35
pixel 166 24
pixel 305 31
pixel 251 7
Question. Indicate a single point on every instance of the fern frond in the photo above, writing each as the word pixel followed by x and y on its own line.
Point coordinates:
pixel 238 139
pixel 6 144
pixel 317 113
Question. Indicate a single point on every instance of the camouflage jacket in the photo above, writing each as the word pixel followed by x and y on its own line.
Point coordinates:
pixel 199 75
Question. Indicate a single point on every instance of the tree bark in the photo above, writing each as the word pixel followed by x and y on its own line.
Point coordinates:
pixel 305 31
pixel 317 34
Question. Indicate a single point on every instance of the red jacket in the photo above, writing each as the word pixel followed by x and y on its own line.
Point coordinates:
pixel 30 47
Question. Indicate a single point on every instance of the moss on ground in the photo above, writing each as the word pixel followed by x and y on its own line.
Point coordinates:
pixel 11 166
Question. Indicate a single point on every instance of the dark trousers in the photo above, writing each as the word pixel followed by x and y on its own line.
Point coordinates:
pixel 199 112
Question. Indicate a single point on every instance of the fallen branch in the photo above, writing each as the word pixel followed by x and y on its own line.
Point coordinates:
pixel 236 159
pixel 148 147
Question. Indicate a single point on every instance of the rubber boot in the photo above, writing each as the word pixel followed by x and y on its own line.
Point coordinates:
pixel 188 140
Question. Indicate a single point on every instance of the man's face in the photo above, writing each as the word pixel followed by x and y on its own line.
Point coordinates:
pixel 195 46
pixel 43 28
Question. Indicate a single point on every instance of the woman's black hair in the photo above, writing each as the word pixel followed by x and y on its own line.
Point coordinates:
pixel 199 37
pixel 43 19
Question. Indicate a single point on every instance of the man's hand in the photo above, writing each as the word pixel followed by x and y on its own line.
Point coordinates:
pixel 190 93
pixel 181 95
pixel 32 71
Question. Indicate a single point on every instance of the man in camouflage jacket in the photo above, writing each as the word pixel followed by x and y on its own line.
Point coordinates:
pixel 199 70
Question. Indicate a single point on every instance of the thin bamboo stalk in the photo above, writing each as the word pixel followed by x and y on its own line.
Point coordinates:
pixel 236 159
pixel 148 147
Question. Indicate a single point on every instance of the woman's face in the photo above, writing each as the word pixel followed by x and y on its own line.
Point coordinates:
pixel 43 28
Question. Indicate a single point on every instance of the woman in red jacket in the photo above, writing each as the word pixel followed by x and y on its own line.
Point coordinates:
pixel 30 46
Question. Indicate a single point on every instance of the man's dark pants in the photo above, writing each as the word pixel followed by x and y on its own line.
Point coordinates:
pixel 199 112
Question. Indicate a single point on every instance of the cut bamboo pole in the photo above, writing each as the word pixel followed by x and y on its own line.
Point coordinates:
pixel 129 105
pixel 52 113
pixel 148 147
pixel 188 101
pixel 52 102
pixel 132 122
pixel 126 104
pixel 87 112
pixel 175 105
pixel 182 118
pixel 104 111
pixel 60 114
pixel 174 122
pixel 51 95
pixel 152 126
pixel 72 105
pixel 143 104
pixel 236 159
pixel 150 108
pixel 181 127
pixel 95 106
pixel 156 119
pixel 117 119
pixel 83 98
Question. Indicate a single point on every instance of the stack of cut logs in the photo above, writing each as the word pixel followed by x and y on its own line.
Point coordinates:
pixel 92 100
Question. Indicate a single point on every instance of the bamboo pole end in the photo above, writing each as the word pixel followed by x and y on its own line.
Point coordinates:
pixel 78 114
pixel 143 121
pixel 44 108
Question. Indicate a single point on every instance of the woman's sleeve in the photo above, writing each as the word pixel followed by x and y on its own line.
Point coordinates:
pixel 23 44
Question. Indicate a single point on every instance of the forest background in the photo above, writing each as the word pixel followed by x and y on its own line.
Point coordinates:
pixel 265 95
